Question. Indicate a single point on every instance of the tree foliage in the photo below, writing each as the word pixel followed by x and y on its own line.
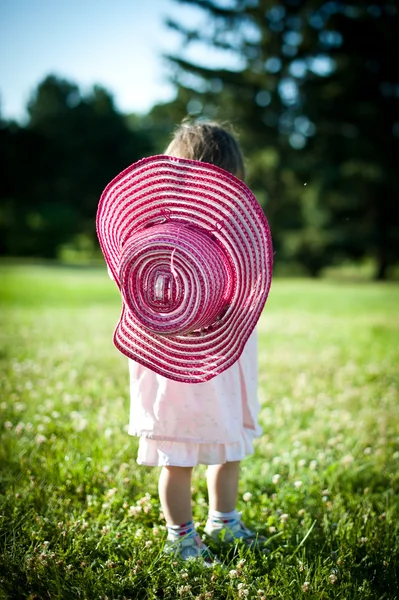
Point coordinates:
pixel 58 164
pixel 315 92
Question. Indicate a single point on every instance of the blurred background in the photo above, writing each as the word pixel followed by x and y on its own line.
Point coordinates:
pixel 311 89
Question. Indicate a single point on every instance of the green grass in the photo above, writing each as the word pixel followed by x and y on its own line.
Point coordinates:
pixel 80 519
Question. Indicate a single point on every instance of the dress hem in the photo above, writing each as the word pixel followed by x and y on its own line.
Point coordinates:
pixel 165 438
pixel 158 453
pixel 194 464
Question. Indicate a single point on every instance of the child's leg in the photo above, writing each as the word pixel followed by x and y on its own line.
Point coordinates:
pixel 223 486
pixel 224 522
pixel 175 494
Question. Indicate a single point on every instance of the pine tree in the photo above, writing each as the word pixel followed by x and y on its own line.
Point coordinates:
pixel 314 88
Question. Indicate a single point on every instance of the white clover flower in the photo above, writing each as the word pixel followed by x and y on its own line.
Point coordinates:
pixel 276 478
pixel 305 586
pixel 333 578
pixel 284 517
pixel 145 499
pixel 247 496
pixel 19 428
pixel 233 573
pixel 139 533
pixel 134 511
pixel 148 544
pixel 79 423
pixel 298 484
pixel 347 460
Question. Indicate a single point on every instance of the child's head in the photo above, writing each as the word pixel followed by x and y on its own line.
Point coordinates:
pixel 210 143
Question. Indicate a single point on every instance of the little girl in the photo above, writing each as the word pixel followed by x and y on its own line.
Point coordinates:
pixel 176 430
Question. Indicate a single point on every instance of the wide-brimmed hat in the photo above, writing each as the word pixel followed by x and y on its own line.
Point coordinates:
pixel 190 249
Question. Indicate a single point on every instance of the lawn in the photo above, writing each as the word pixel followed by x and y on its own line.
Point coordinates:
pixel 79 519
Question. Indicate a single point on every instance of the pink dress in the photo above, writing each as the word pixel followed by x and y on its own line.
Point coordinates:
pixel 181 424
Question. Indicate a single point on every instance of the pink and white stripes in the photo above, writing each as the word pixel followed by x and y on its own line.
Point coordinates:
pixel 190 250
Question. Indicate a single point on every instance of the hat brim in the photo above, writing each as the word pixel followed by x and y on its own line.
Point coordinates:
pixel 162 188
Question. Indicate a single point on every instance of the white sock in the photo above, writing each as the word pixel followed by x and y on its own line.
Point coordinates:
pixel 217 517
pixel 178 531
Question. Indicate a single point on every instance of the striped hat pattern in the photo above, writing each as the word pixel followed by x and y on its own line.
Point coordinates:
pixel 190 250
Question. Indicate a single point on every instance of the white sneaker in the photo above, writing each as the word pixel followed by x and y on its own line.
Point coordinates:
pixel 189 548
pixel 230 533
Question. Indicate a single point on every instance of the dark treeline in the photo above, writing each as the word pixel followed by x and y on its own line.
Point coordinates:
pixel 313 96
pixel 57 166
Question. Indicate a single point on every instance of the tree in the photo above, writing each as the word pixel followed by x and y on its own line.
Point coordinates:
pixel 60 162
pixel 315 91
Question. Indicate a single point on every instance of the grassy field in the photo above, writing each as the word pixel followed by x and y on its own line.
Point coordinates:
pixel 79 519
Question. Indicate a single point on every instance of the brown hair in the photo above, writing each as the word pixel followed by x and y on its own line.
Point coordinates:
pixel 208 142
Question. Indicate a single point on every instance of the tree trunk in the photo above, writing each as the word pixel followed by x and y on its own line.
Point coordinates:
pixel 382 268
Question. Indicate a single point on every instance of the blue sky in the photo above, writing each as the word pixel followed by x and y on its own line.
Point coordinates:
pixel 116 43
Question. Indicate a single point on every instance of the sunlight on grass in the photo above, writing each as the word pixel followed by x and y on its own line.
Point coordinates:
pixel 79 518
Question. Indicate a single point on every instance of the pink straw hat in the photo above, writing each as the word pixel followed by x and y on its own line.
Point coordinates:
pixel 190 250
